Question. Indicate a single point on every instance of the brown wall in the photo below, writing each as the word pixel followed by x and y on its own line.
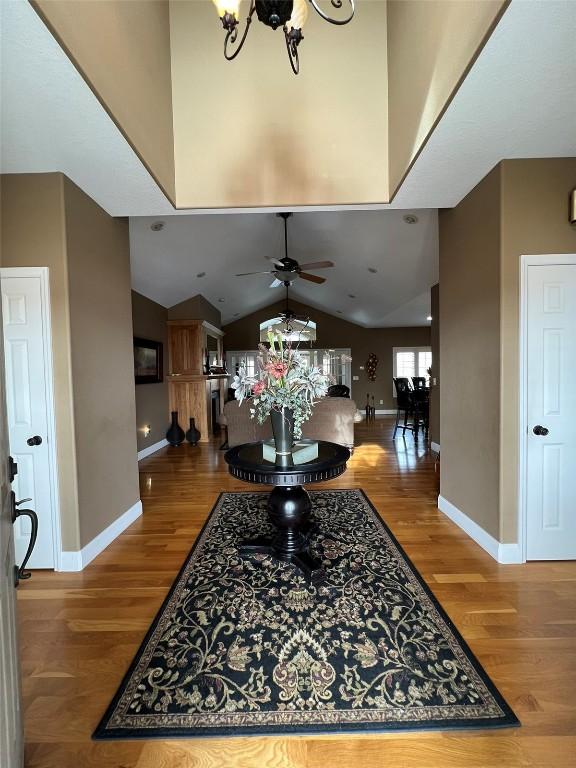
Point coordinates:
pixel 470 353
pixel 122 49
pixel 98 258
pixel 149 322
pixel 520 208
pixel 47 221
pixel 435 378
pixel 535 197
pixel 331 331
pixel 431 44
pixel 33 235
pixel 196 308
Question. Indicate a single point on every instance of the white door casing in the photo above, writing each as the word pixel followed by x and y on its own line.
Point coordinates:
pixel 11 731
pixel 549 366
pixel 27 342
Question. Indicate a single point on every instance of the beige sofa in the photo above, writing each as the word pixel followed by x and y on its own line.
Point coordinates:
pixel 332 420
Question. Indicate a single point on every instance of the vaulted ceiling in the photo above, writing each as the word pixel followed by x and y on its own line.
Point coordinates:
pixel 383 266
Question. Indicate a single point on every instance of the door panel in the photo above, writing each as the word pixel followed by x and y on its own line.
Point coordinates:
pixel 551 403
pixel 11 736
pixel 26 395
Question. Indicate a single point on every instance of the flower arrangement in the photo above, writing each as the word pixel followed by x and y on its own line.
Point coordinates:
pixel 284 381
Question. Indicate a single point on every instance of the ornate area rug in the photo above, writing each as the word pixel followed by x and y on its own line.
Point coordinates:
pixel 247 647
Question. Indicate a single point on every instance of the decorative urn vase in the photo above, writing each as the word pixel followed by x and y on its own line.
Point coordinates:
pixel 283 431
pixel 175 434
pixel 193 434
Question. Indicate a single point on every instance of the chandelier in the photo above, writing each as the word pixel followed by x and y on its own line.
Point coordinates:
pixel 291 15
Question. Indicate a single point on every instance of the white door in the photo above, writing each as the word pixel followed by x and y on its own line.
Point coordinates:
pixel 11 737
pixel 27 403
pixel 551 412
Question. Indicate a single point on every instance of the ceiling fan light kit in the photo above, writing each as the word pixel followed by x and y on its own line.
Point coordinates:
pixel 291 15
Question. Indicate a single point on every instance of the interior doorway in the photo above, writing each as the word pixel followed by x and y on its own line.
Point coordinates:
pixel 547 408
pixel 30 408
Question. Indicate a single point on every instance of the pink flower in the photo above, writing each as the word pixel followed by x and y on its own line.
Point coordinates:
pixel 258 388
pixel 277 370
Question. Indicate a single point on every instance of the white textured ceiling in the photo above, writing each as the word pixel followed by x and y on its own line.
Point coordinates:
pixel 519 100
pixel 165 264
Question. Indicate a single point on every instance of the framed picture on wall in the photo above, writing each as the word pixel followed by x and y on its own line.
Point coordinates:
pixel 148 361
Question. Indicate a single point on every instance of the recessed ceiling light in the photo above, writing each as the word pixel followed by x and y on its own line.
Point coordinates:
pixel 429 318
pixel 351 296
pixel 221 301
pixel 157 226
pixel 201 274
pixel 410 218
pixel 373 270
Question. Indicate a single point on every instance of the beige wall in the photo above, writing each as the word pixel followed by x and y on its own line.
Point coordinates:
pixel 122 49
pixel 244 334
pixel 149 322
pixel 32 212
pixel 47 221
pixel 435 378
pixel 215 133
pixel 470 353
pixel 520 208
pixel 249 132
pixel 98 256
pixel 196 308
pixel 535 196
pixel 431 44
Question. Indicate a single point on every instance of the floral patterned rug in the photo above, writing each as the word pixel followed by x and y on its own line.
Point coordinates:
pixel 248 647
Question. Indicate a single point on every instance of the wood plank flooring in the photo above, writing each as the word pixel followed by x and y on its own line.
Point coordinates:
pixel 80 631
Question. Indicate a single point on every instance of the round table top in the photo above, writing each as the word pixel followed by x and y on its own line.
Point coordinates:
pixel 246 462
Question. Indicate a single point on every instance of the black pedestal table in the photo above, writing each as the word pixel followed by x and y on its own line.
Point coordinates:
pixel 289 506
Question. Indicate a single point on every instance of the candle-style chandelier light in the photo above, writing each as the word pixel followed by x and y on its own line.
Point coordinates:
pixel 289 14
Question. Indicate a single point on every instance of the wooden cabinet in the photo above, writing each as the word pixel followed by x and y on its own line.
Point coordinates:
pixel 191 392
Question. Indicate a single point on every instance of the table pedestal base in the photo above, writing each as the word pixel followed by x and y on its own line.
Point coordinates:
pixel 289 512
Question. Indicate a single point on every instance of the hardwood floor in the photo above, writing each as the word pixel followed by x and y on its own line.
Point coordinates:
pixel 80 631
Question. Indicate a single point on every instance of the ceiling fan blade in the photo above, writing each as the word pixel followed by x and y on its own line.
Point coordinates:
pixel 245 274
pixel 317 265
pixel 276 261
pixel 312 278
pixel 275 283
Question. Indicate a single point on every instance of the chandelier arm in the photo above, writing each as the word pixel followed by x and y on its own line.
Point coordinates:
pixel 336 4
pixel 232 34
pixel 292 48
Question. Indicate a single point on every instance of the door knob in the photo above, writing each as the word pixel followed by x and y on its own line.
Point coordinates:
pixel 36 440
pixel 540 430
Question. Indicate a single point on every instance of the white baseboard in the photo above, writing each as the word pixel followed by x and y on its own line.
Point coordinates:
pixel 151 449
pixel 379 413
pixel 503 553
pixel 435 446
pixel 77 561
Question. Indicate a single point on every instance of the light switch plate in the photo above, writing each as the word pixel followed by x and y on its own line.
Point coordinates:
pixel 355 378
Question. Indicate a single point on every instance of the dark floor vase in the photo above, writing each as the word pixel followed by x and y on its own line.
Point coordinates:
pixel 193 434
pixel 283 431
pixel 175 434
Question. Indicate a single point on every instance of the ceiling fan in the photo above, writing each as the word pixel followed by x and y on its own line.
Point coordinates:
pixel 287 270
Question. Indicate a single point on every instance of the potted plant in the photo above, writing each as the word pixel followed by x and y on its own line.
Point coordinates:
pixel 284 389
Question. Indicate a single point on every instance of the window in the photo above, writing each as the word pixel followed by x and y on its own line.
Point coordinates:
pixel 411 361
pixel 335 362
pixel 248 360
